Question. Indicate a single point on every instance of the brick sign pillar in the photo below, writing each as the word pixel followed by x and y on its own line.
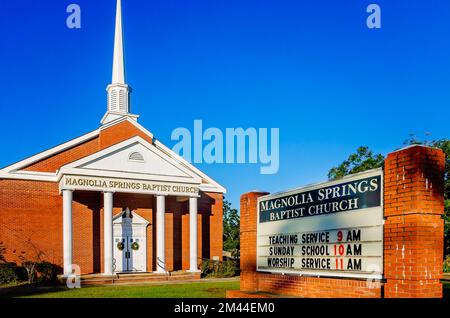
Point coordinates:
pixel 249 203
pixel 413 230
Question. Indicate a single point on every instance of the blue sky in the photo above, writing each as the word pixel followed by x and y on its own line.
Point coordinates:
pixel 309 67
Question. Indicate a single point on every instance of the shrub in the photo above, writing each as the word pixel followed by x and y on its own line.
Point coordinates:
pixel 8 273
pixel 46 272
pixel 30 268
pixel 218 269
pixel 447 264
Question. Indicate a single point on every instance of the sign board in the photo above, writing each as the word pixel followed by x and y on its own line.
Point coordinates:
pixel 70 182
pixel 329 229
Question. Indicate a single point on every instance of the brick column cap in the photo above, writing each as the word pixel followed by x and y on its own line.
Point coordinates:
pixel 413 146
pixel 258 192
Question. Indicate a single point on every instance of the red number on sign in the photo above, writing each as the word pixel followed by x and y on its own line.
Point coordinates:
pixel 340 236
pixel 339 263
pixel 341 249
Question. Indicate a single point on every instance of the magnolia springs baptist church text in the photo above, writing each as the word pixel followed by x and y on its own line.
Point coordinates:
pixel 348 196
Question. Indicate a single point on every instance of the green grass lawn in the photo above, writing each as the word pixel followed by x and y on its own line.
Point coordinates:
pixel 188 290
pixel 182 290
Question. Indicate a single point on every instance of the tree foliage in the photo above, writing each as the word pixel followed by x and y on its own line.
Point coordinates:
pixel 444 144
pixel 231 229
pixel 364 159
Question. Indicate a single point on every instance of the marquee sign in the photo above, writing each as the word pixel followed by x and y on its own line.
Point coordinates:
pixel 69 182
pixel 329 229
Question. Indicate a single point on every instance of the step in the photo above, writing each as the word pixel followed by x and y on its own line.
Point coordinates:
pixel 134 278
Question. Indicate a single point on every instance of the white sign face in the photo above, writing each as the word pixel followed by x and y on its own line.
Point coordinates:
pixel 125 185
pixel 329 229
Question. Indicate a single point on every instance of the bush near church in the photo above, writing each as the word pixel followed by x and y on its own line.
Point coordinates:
pixel 40 271
pixel 8 273
pixel 219 269
pixel 447 264
pixel 43 272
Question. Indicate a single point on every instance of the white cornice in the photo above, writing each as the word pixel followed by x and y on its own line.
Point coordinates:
pixel 120 118
pixel 213 186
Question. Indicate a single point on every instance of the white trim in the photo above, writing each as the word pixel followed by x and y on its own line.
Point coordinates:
pixel 214 187
pixel 130 120
pixel 32 176
pixel 139 126
pixel 121 117
pixel 45 154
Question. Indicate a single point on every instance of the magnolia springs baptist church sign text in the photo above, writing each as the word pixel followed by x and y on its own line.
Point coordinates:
pixel 329 229
pixel 125 185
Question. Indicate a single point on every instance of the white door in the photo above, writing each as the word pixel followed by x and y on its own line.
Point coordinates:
pixel 130 243
pixel 120 254
pixel 136 255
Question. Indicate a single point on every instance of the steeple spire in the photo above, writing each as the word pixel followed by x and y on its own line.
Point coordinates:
pixel 118 91
pixel 118 64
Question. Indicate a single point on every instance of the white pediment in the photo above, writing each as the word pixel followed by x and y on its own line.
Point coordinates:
pixel 130 218
pixel 134 158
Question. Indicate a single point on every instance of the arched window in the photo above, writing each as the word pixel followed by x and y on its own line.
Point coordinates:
pixel 136 156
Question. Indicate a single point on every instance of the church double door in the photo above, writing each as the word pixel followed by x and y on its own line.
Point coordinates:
pixel 129 255
pixel 130 242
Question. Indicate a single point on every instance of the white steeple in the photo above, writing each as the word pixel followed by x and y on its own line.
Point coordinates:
pixel 118 91
pixel 118 62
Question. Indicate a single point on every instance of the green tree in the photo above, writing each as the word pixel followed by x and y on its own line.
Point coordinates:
pixel 231 229
pixel 444 144
pixel 362 160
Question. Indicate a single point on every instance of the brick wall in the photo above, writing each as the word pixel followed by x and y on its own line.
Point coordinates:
pixel 24 228
pixel 118 133
pixel 413 237
pixel 317 287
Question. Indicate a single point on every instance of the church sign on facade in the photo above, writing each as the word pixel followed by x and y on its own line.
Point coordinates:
pixel 329 229
pixel 69 182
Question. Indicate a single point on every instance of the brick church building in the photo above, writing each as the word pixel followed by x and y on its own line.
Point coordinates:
pixel 113 200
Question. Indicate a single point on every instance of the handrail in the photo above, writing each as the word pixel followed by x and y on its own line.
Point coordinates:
pixel 162 265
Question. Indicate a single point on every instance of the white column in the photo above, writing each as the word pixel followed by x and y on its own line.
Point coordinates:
pixel 160 234
pixel 67 231
pixel 193 235
pixel 108 232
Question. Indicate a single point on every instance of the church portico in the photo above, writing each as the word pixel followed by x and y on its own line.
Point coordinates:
pixel 136 233
pixel 157 212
